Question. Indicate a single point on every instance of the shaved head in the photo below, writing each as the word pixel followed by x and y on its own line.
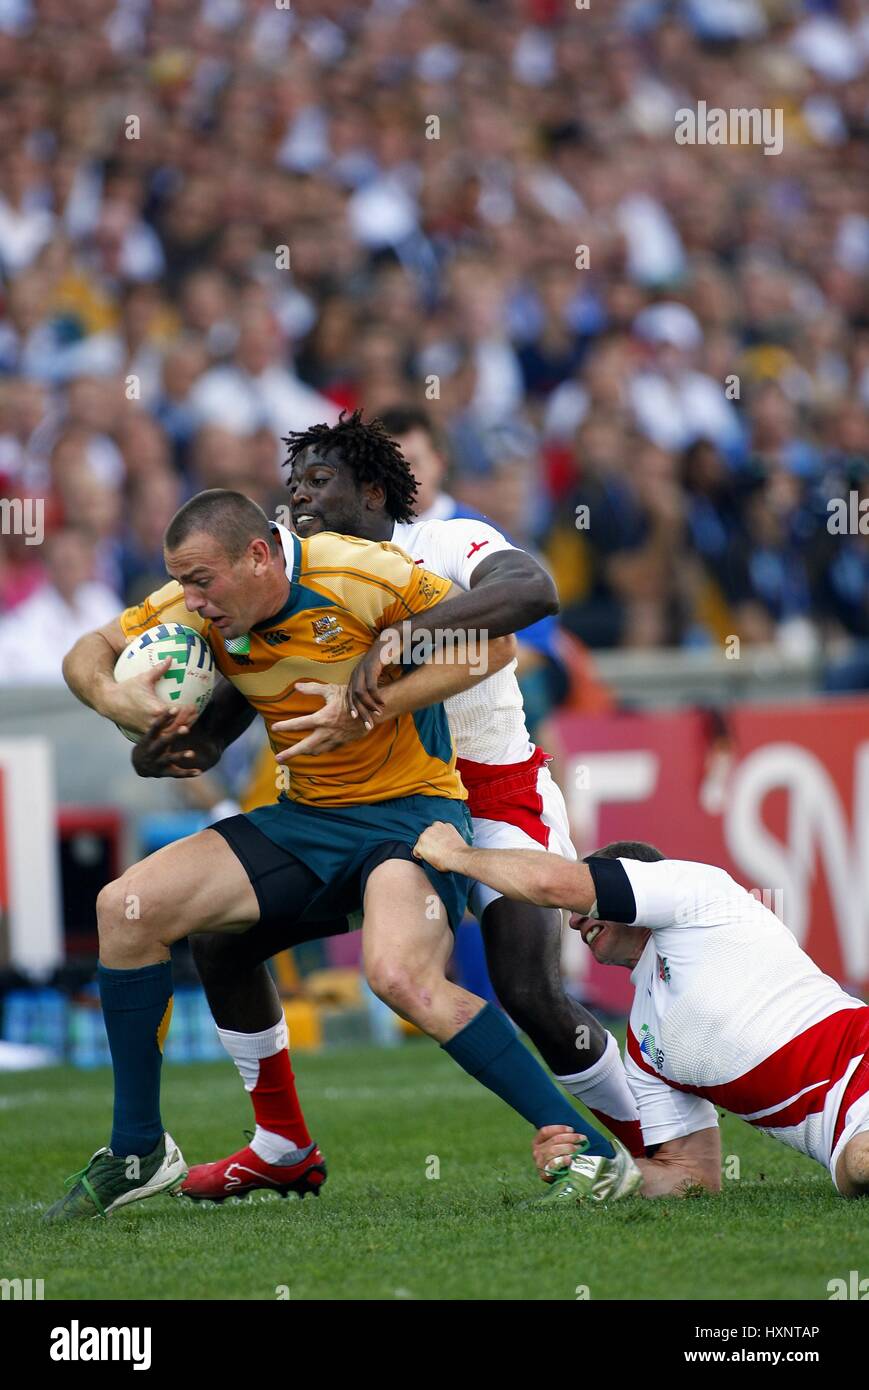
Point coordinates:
pixel 230 518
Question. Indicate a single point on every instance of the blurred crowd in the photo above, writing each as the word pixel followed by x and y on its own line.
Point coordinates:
pixel 222 220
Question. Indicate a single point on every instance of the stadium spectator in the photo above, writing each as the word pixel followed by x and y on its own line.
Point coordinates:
pixel 151 504
pixel 92 505
pixel 416 437
pixel 25 225
pixel 256 388
pixel 182 366
pixel 404 222
pixel 23 413
pixel 675 405
pixel 35 638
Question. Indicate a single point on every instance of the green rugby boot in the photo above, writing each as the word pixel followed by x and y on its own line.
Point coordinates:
pixel 109 1182
pixel 592 1178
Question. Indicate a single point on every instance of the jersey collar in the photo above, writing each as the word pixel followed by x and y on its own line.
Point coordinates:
pixel 292 548
pixel 643 963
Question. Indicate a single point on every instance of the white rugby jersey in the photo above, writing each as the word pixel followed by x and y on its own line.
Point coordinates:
pixel 488 720
pixel 730 1012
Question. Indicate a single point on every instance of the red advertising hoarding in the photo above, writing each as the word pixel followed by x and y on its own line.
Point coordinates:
pixel 778 795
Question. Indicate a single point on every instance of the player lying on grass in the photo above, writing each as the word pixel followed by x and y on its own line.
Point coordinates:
pixel 727 1011
pixel 345 480
pixel 277 610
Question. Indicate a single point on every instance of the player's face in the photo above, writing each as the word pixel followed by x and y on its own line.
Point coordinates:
pixel 324 496
pixel 215 586
pixel 611 943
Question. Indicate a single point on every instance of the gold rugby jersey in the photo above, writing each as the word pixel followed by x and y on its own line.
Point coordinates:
pixel 343 591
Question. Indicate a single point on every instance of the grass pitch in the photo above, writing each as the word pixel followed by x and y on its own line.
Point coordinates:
pixel 383 1228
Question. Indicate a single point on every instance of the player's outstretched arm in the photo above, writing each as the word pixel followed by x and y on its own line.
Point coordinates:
pixel 508 591
pixel 88 669
pixel 528 875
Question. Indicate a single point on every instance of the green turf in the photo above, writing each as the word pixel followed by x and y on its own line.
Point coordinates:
pixel 382 1228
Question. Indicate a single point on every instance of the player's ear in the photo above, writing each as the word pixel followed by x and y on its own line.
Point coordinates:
pixel 374 495
pixel 259 554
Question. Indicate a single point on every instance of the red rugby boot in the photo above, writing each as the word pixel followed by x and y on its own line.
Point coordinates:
pixel 245 1172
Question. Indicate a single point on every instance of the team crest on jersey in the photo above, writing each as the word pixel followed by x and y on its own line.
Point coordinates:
pixel 663 969
pixel 427 589
pixel 326 629
pixel 649 1047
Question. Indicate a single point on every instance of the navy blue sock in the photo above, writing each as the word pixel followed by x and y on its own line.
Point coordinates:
pixel 490 1051
pixel 137 1007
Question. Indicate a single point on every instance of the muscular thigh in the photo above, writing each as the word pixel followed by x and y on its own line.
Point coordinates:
pixel 404 921
pixel 195 884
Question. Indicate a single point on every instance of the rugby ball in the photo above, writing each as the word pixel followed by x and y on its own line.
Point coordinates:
pixel 189 681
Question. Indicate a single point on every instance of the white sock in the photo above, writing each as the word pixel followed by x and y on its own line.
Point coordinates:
pixel 604 1086
pixel 274 1148
pixel 246 1049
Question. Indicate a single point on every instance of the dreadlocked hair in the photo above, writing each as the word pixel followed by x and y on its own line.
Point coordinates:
pixel 368 450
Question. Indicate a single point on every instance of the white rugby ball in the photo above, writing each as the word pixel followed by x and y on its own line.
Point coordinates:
pixel 189 681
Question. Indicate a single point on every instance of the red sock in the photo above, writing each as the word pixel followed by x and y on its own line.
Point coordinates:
pixel 275 1103
pixel 630 1132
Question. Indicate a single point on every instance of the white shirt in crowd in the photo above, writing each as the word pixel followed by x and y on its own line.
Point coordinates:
pixel 36 636
pixel 275 399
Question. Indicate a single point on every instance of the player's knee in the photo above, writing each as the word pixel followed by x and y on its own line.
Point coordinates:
pixel 120 908
pixel 397 986
pixel 110 905
pixel 389 980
